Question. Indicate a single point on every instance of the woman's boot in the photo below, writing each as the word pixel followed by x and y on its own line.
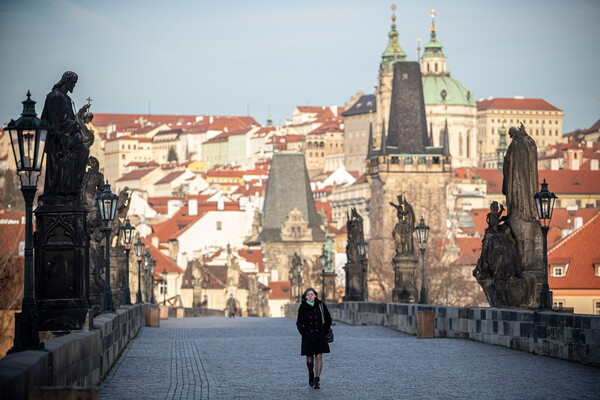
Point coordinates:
pixel 311 373
pixel 317 383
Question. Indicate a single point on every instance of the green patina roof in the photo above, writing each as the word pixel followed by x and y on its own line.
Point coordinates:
pixel 393 52
pixel 455 92
pixel 433 48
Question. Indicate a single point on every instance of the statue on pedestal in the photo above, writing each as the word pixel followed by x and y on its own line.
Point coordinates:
pixel 405 260
pixel 509 267
pixel 355 270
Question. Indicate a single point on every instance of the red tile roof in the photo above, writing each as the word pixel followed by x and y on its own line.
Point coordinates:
pixel 560 181
pixel 254 256
pixel 280 290
pixel 582 249
pixel 162 261
pixel 516 104
pixel 170 177
pixel 136 174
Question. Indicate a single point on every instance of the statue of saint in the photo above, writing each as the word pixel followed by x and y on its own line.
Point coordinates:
pixel 66 153
pixel 520 175
pixel 355 234
pixel 403 231
pixel 84 117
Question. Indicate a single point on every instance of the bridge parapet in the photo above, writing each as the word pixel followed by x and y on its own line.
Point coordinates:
pixel 574 337
pixel 78 359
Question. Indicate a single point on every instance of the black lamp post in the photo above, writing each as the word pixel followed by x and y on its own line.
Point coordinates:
pixel 152 271
pixel 323 262
pixel 107 202
pixel 139 251
pixel 293 284
pixel 422 232
pixel 544 202
pixel 362 248
pixel 146 262
pixel 126 239
pixel 164 275
pixel 28 139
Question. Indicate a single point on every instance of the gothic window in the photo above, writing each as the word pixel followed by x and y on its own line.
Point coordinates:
pixel 322 144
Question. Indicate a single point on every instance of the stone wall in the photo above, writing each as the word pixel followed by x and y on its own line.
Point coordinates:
pixel 78 359
pixel 574 337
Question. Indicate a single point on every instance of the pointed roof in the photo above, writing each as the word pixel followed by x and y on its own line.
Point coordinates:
pixel 288 187
pixel 407 133
pixel 370 142
pixel 393 52
pixel 433 48
pixel 445 140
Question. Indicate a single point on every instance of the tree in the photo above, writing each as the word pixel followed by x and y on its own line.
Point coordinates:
pixel 172 156
pixel 11 282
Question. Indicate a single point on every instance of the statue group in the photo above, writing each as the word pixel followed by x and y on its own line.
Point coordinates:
pixel 405 260
pixel 509 267
pixel 69 234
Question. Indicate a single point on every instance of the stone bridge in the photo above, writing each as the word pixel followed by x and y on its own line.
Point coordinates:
pixel 242 358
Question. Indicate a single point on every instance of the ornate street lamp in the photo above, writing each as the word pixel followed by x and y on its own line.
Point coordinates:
pixel 422 232
pixel 323 262
pixel 146 261
pixel 126 239
pixel 152 271
pixel 544 202
pixel 139 251
pixel 362 248
pixel 28 139
pixel 107 202
pixel 164 275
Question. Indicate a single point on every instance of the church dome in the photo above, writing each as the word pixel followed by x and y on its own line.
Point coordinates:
pixel 444 90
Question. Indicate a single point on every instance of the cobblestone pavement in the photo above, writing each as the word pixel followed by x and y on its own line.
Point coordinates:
pixel 248 358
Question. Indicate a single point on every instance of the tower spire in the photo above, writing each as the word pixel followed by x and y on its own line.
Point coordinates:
pixel 370 142
pixel 383 147
pixel 393 52
pixel 434 60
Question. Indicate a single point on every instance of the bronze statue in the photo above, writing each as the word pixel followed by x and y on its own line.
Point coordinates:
pixel 66 152
pixel 520 175
pixel 403 231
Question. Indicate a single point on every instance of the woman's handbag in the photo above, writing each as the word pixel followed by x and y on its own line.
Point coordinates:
pixel 328 335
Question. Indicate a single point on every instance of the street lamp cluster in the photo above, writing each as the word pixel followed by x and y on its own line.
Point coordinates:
pixel 544 202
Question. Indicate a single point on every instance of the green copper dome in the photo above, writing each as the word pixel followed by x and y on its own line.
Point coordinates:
pixel 442 90
pixel 393 52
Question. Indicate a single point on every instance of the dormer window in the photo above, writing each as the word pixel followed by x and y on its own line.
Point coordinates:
pixel 558 272
pixel 597 269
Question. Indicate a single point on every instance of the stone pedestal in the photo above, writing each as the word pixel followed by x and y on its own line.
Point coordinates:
pixel 61 267
pixel 153 316
pixel 354 282
pixel 405 286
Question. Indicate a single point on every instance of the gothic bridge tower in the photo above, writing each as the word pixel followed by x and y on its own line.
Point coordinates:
pixel 407 164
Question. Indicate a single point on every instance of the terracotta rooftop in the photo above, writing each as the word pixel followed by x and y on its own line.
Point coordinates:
pixel 170 177
pixel 254 256
pixel 516 104
pixel 580 273
pixel 136 174
pixel 280 290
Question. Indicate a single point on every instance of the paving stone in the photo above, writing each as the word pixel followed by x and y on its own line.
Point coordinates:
pixel 245 358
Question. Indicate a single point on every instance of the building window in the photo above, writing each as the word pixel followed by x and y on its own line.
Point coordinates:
pixel 219 225
pixel 558 272
pixel 597 269
pixel 597 307
pixel 558 304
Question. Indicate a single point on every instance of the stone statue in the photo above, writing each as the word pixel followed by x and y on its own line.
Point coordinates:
pixel 121 214
pixel 520 175
pixel 510 266
pixel 93 184
pixel 84 117
pixel 355 235
pixel 66 152
pixel 233 269
pixel 403 231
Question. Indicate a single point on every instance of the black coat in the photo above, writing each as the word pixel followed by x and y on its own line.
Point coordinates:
pixel 311 327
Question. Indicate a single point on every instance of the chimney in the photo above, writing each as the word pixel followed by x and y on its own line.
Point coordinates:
pixel 193 207
pixel 173 206
pixel 155 241
pixel 594 165
pixel 578 223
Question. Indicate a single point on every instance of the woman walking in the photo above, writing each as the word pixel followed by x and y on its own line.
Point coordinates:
pixel 313 323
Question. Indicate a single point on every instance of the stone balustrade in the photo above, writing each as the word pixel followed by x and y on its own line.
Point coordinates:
pixel 80 359
pixel 574 337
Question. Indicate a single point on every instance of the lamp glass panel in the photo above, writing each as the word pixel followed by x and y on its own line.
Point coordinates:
pixel 425 234
pixel 538 206
pixel 545 207
pixel 14 144
pixel 41 145
pixel 323 260
pixel 113 207
pixel 551 209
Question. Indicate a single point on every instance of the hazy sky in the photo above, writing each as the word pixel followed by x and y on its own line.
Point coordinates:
pixel 228 57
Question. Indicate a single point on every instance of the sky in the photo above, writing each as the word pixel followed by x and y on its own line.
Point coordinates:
pixel 209 57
